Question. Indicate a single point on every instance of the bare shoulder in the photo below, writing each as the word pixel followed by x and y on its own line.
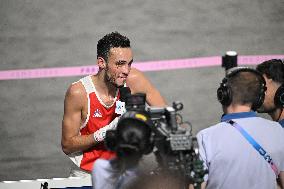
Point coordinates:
pixel 135 74
pixel 76 93
pixel 137 81
pixel 76 89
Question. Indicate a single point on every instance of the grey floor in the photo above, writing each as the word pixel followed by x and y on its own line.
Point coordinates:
pixel 43 34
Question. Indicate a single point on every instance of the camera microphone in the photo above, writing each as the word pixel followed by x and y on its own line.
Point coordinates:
pixel 230 60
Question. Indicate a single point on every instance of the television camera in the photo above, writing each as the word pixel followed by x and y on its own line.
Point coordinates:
pixel 175 148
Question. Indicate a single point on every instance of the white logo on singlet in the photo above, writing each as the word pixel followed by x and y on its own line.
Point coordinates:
pixel 97 113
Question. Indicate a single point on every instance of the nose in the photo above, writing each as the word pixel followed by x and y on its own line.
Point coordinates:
pixel 126 69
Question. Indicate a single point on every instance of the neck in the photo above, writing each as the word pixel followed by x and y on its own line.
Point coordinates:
pixel 235 108
pixel 277 115
pixel 102 86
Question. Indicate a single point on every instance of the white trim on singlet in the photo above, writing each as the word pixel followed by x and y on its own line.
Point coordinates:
pixel 100 100
pixel 76 157
pixel 90 87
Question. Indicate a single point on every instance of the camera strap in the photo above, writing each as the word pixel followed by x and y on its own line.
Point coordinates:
pixel 256 146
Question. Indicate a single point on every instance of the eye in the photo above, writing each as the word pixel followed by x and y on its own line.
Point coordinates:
pixel 120 63
pixel 130 63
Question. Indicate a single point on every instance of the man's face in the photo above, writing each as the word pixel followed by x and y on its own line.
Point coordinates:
pixel 268 105
pixel 118 65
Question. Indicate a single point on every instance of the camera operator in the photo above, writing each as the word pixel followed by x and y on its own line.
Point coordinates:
pixel 129 141
pixel 273 73
pixel 243 151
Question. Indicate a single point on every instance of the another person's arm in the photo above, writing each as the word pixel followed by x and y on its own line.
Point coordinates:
pixel 138 83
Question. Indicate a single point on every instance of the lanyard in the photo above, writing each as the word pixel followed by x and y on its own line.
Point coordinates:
pixel 256 146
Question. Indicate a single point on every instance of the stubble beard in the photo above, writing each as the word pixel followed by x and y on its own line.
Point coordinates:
pixel 110 81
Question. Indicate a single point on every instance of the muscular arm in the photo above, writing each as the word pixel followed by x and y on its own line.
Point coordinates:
pixel 71 140
pixel 138 83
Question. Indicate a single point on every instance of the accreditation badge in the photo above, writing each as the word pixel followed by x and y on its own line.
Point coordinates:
pixel 120 107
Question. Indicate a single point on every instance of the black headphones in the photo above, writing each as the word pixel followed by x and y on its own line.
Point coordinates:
pixel 142 119
pixel 279 94
pixel 279 97
pixel 224 92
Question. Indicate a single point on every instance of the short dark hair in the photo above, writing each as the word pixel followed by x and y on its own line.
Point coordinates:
pixel 273 69
pixel 111 40
pixel 246 87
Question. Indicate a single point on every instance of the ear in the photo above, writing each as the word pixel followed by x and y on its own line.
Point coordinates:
pixel 267 80
pixel 101 62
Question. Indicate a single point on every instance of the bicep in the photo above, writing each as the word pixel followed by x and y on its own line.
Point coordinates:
pixel 154 98
pixel 72 114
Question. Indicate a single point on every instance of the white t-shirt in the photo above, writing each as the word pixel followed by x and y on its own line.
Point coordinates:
pixel 232 161
pixel 105 177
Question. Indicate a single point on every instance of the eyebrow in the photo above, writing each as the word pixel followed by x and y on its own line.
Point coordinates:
pixel 123 61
